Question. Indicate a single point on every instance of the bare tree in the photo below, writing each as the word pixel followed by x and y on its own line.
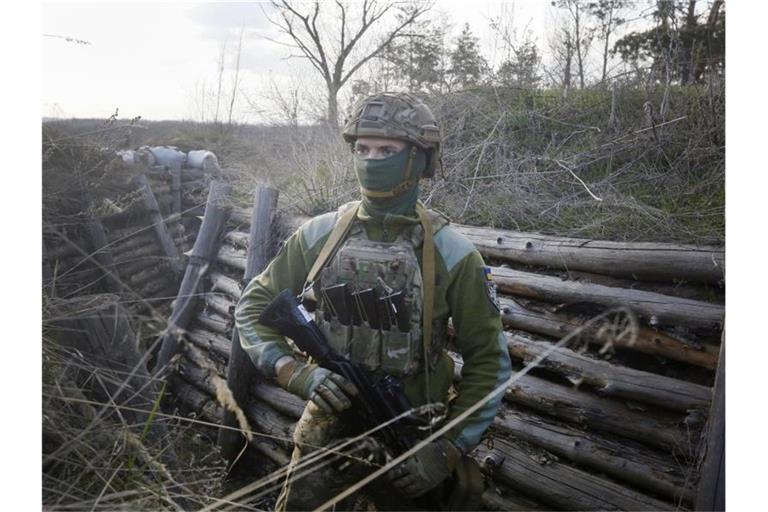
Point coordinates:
pixel 236 79
pixel 608 14
pixel 561 45
pixel 582 34
pixel 338 49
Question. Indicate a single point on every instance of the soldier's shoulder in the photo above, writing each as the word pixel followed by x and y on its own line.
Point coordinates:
pixel 452 246
pixel 318 227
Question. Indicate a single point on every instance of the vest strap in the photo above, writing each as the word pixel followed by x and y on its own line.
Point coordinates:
pixel 338 234
pixel 428 279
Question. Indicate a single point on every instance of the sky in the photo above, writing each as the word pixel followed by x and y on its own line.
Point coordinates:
pixel 158 60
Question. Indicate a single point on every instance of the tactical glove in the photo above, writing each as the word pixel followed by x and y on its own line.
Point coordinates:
pixel 328 390
pixel 425 469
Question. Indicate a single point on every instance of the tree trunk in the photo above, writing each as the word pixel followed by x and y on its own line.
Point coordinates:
pixel 333 107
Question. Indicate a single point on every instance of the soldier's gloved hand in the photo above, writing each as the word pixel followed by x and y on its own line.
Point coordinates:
pixel 328 390
pixel 425 469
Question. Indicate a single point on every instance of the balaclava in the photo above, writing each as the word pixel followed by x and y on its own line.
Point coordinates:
pixel 386 174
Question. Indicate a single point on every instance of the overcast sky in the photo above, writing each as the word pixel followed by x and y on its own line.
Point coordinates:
pixel 157 59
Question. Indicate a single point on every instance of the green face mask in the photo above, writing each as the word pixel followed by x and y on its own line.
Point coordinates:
pixel 385 175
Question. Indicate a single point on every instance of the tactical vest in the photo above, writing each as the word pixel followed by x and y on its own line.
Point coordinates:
pixel 369 301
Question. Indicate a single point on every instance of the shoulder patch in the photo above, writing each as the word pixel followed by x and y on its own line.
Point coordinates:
pixel 316 228
pixel 491 289
pixel 452 246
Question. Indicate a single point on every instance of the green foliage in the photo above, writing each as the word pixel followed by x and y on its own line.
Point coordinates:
pixel 678 38
pixel 415 60
pixel 467 66
pixel 522 69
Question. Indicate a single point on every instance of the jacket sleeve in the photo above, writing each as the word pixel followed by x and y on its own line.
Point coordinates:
pixel 481 342
pixel 288 269
pixel 262 344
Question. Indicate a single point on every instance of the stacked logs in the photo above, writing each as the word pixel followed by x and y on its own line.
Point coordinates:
pixel 137 250
pixel 613 420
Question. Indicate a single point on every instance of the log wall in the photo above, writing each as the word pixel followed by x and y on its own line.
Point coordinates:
pixel 613 421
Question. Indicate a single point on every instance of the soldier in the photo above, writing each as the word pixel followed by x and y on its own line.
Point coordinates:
pixel 389 246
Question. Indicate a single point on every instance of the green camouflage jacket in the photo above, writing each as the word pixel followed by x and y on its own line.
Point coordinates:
pixel 464 292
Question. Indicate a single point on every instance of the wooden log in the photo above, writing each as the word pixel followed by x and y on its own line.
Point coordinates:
pixel 180 237
pixel 279 399
pixel 695 291
pixel 268 421
pixel 240 370
pixel 561 486
pixel 142 228
pixel 711 489
pixel 232 257
pixel 637 260
pixel 220 304
pixel 157 272
pixel 225 284
pixel 129 267
pixel 163 237
pixel 623 462
pixel 136 254
pixel 198 401
pixel 658 308
pixel 238 239
pixel 613 380
pixel 150 249
pixel 209 341
pixel 206 407
pixel 206 245
pixel 145 236
pixel 214 323
pixel 507 500
pixel 653 428
pixel 648 340
pixel 261 417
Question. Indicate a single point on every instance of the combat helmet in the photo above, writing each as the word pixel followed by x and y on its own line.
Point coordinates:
pixel 396 115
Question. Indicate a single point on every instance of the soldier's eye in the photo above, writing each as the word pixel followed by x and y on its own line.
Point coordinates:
pixel 361 150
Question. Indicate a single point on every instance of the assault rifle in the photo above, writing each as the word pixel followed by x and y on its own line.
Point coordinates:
pixel 378 400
